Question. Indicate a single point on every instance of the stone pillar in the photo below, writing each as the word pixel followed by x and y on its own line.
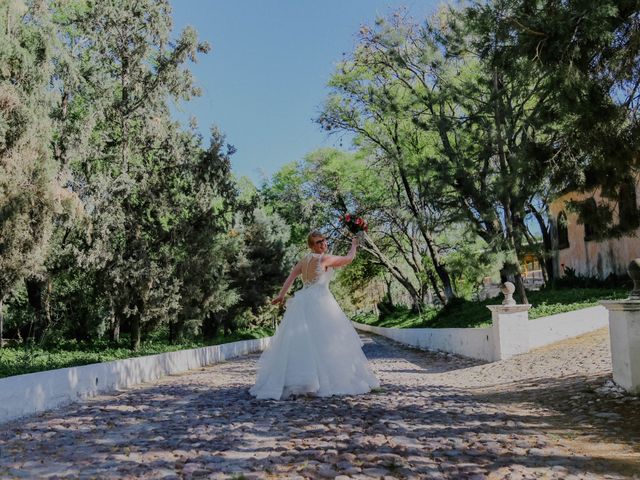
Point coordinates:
pixel 624 332
pixel 510 325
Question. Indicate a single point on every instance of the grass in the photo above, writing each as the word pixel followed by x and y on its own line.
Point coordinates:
pixel 465 313
pixel 18 360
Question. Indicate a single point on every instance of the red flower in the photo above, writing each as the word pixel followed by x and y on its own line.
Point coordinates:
pixel 358 221
pixel 347 218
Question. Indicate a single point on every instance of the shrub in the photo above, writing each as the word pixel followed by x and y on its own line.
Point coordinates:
pixel 571 279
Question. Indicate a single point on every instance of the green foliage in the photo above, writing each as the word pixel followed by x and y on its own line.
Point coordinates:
pixel 571 279
pixel 28 184
pixel 258 266
pixel 141 238
pixel 330 182
pixel 549 301
pixel 265 259
pixel 472 123
pixel 469 261
pixel 284 195
pixel 114 219
pixel 472 314
pixel 19 360
pixel 583 59
pixel 358 286
pixel 368 100
pixel 150 182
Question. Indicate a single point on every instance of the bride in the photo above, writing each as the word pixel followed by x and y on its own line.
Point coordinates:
pixel 315 349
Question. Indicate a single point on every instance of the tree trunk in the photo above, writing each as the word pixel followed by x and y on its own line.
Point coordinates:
pixel 414 260
pixel 435 256
pixel 548 246
pixel 436 290
pixel 517 271
pixel 46 302
pixel 393 270
pixel 505 170
pixel 227 324
pixel 211 325
pixel 176 331
pixel 388 283
pixel 114 335
pixel 116 319
pixel 35 288
pixel 136 323
pixel 520 288
pixel 1 323
pixel 511 271
pixel 135 332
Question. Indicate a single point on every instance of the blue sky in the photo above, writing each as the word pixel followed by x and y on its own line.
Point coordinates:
pixel 265 79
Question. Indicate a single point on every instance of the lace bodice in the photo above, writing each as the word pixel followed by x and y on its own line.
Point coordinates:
pixel 312 271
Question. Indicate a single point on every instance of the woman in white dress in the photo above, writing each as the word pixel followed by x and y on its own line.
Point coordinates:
pixel 315 349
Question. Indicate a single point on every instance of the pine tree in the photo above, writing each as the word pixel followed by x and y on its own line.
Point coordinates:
pixel 140 70
pixel 583 58
pixel 28 188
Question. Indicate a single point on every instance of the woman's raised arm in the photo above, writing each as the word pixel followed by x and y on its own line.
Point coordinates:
pixel 338 260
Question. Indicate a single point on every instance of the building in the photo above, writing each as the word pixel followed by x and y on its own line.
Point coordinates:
pixel 532 275
pixel 575 245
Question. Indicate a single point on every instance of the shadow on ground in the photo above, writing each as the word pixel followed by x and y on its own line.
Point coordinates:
pixel 189 426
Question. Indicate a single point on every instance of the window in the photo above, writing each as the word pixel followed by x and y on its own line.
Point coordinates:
pixel 589 213
pixel 563 231
pixel 628 207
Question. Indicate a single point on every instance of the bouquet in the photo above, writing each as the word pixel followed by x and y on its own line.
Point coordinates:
pixel 354 223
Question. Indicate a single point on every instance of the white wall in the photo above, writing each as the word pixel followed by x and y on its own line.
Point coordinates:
pixel 469 342
pixel 624 330
pixel 551 329
pixel 483 344
pixel 23 395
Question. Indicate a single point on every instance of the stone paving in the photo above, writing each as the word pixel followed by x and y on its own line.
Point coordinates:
pixel 551 413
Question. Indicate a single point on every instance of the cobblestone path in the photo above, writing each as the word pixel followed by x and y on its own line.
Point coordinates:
pixel 551 413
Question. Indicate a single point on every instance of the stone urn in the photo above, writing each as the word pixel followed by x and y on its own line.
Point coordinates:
pixel 507 289
pixel 634 272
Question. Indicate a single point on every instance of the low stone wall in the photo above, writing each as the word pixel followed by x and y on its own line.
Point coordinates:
pixel 468 342
pixel 483 343
pixel 546 330
pixel 23 395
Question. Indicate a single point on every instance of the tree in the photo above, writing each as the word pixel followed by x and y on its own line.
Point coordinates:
pixel 367 101
pixel 487 157
pixel 360 286
pixel 74 107
pixel 583 57
pixel 259 266
pixel 28 186
pixel 199 222
pixel 329 183
pixel 134 143
pixel 125 219
pixel 285 195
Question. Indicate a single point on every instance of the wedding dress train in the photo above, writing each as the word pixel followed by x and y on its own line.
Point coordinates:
pixel 315 349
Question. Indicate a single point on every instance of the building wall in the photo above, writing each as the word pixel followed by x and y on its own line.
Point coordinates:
pixel 591 258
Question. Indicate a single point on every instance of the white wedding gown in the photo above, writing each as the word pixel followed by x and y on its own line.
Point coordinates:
pixel 315 349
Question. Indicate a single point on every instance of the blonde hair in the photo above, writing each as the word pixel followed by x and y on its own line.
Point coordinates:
pixel 313 234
